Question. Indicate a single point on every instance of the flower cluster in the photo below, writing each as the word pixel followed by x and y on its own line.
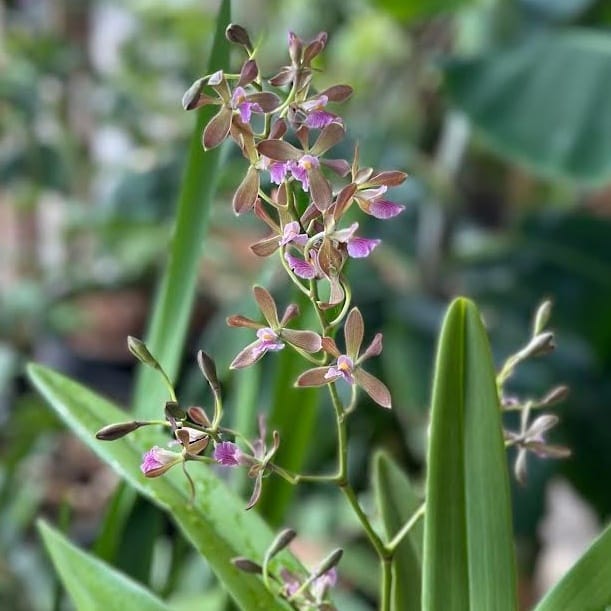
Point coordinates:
pixel 530 437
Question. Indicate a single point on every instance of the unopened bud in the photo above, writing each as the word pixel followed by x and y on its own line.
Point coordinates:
pixel 238 36
pixel 538 346
pixel 118 430
pixel 246 565
pixel 542 317
pixel 198 415
pixel 191 97
pixel 208 367
pixel 283 540
pixel 328 563
pixel 556 395
pixel 138 348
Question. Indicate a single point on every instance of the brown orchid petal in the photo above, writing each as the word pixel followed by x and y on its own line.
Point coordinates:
pixel 306 340
pixel 237 320
pixel 261 212
pixel 219 83
pixel 248 74
pixel 284 77
pixel 275 446
pixel 247 356
pixel 340 166
pixel 376 389
pixel 541 425
pixel 198 446
pixel 545 450
pixel 267 305
pixel 266 247
pixel 328 138
pixel 182 436
pixel 329 258
pixel 354 330
pixel 336 294
pixel 243 136
pixel 278 129
pixel 314 47
pixel 330 347
pixel 291 312
pixel 256 492
pixel 303 135
pixel 246 195
pixel 281 196
pixel 374 349
pixel 519 468
pixel 363 175
pixel 388 179
pixel 218 128
pixel 310 213
pixel 279 150
pixel 320 189
pixel 343 200
pixel 337 93
pixel 194 98
pixel 313 377
pixel 266 100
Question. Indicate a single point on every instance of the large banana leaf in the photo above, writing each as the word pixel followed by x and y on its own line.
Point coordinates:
pixel 469 562
pixel 543 102
pixel 216 523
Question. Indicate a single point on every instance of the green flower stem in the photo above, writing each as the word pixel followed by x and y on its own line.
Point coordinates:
pixel 391 546
pixel 168 383
pixel 297 478
pixel 386 586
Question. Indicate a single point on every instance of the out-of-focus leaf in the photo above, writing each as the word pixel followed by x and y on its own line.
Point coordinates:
pixel 543 103
pixel 588 584
pixel 557 10
pixel 397 502
pixel 176 294
pixel 215 523
pixel 92 584
pixel 468 561
pixel 412 10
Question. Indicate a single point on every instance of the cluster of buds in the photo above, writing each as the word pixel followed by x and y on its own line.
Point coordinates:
pixel 530 437
pixel 308 591
pixel 194 434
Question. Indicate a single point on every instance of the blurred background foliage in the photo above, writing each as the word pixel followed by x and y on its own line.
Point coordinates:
pixel 498 109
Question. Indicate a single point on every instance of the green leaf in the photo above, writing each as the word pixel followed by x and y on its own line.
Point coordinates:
pixel 216 523
pixel 543 103
pixel 468 561
pixel 412 10
pixel 92 584
pixel 587 586
pixel 176 294
pixel 397 502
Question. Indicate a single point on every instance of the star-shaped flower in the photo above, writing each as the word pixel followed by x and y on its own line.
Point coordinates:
pixel 348 366
pixel 271 337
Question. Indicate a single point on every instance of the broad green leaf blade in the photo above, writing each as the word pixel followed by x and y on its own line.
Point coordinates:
pixel 216 523
pixel 176 294
pixel 588 584
pixel 543 103
pixel 468 559
pixel 397 502
pixel 92 584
